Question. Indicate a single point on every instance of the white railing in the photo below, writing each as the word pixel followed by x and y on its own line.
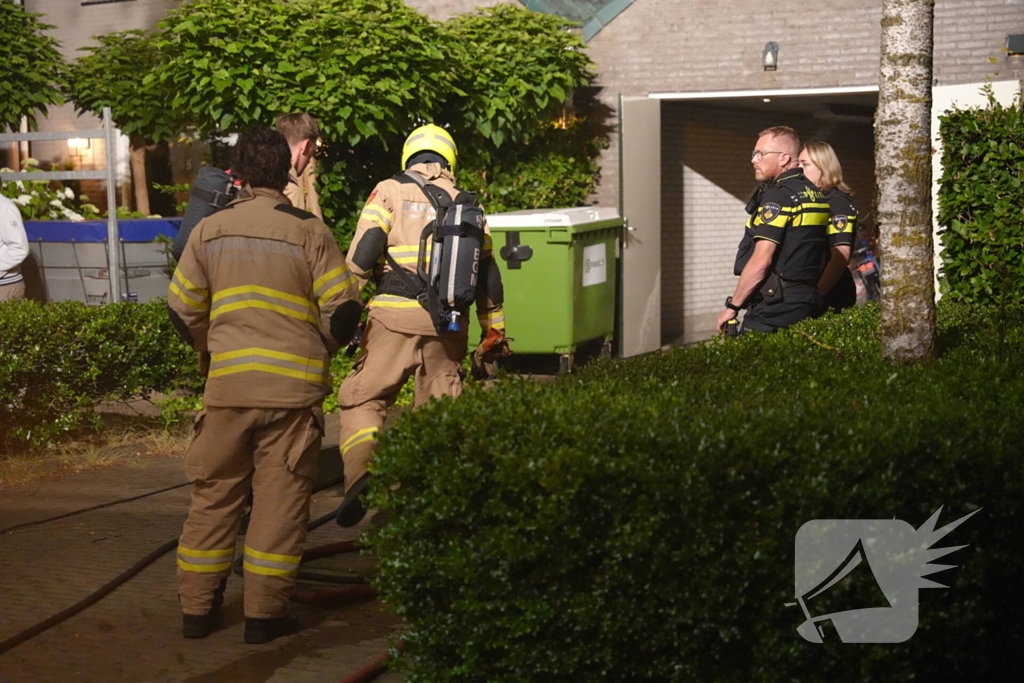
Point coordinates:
pixel 108 134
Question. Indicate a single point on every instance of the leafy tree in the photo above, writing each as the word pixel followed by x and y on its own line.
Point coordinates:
pixel 370 71
pixel 34 71
pixel 515 70
pixel 903 168
pixel 117 74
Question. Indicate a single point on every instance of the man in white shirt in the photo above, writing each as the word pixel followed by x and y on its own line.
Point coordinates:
pixel 13 250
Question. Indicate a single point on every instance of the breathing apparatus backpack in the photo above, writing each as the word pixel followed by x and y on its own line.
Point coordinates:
pixel 450 245
pixel 211 191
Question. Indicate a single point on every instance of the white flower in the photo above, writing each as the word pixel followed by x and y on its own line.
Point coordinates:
pixel 22 199
pixel 72 216
pixel 57 203
pixel 20 185
pixel 30 162
pixel 68 194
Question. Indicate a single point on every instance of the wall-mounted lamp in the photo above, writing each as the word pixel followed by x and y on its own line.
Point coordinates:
pixel 76 145
pixel 770 56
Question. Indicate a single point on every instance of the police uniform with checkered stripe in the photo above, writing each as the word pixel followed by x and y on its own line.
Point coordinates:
pixel 264 293
pixel 793 214
pixel 842 231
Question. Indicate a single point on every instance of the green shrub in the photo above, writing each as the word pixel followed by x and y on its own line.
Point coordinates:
pixel 981 193
pixel 57 360
pixel 636 522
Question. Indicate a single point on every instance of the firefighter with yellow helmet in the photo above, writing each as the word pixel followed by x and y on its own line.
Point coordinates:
pixel 402 338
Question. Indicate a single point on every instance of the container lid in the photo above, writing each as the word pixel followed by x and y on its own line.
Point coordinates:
pixel 552 218
pixel 130 230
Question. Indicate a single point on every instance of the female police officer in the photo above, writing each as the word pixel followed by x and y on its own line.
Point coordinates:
pixel 821 166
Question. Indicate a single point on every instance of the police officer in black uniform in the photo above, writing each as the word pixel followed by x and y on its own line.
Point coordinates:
pixel 784 246
pixel 821 166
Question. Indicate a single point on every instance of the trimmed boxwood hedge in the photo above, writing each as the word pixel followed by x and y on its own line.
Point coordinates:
pixel 636 522
pixel 57 360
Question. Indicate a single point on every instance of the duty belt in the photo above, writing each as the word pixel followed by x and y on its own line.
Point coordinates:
pixel 787 283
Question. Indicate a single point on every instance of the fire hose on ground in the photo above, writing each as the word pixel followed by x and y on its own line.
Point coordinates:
pixel 357 589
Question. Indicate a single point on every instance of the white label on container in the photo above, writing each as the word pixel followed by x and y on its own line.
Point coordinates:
pixel 595 265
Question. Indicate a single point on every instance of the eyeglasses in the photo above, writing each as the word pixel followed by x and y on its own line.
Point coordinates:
pixel 757 154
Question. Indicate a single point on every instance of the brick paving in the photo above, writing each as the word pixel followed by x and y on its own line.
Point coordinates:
pixel 134 634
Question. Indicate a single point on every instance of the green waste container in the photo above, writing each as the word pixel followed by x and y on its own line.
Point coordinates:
pixel 558 267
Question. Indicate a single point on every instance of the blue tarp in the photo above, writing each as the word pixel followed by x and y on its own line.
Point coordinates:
pixel 131 230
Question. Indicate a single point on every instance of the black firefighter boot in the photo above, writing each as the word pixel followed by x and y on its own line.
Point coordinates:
pixel 259 631
pixel 351 511
pixel 202 625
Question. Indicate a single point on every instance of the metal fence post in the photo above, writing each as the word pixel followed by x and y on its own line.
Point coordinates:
pixel 113 234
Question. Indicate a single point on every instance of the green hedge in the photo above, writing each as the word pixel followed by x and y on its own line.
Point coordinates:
pixel 57 360
pixel 636 522
pixel 981 195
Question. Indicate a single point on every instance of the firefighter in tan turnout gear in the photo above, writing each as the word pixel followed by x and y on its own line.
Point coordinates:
pixel 401 339
pixel 263 293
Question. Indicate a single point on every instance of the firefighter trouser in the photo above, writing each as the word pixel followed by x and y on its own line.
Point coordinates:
pixel 387 361
pixel 272 452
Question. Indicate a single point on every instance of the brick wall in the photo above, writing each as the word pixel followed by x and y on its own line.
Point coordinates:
pixel 75 25
pixel 686 46
pixel 442 9
pixel 706 179
pixel 968 33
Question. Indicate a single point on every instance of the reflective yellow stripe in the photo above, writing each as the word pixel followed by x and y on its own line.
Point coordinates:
pixel 271 556
pixel 268 353
pixel 266 291
pixel 251 299
pixel 188 298
pixel 268 571
pixel 265 305
pixel 226 552
pixel 330 275
pixel 274 369
pixel 188 285
pixel 326 296
pixel 359 437
pixel 274 362
pixel 391 301
pixel 203 568
pixel 495 320
pixel 377 214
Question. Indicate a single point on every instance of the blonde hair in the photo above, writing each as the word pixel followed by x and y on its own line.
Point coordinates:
pixel 824 157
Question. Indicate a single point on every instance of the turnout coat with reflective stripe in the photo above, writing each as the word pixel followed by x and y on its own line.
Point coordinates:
pixel 393 219
pixel 257 285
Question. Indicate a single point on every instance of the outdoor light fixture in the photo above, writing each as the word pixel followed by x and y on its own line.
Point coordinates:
pixel 78 143
pixel 770 56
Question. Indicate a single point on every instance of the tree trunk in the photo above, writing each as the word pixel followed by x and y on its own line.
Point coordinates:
pixel 903 168
pixel 139 179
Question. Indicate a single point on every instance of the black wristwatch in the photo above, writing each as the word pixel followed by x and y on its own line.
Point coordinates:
pixel 731 306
